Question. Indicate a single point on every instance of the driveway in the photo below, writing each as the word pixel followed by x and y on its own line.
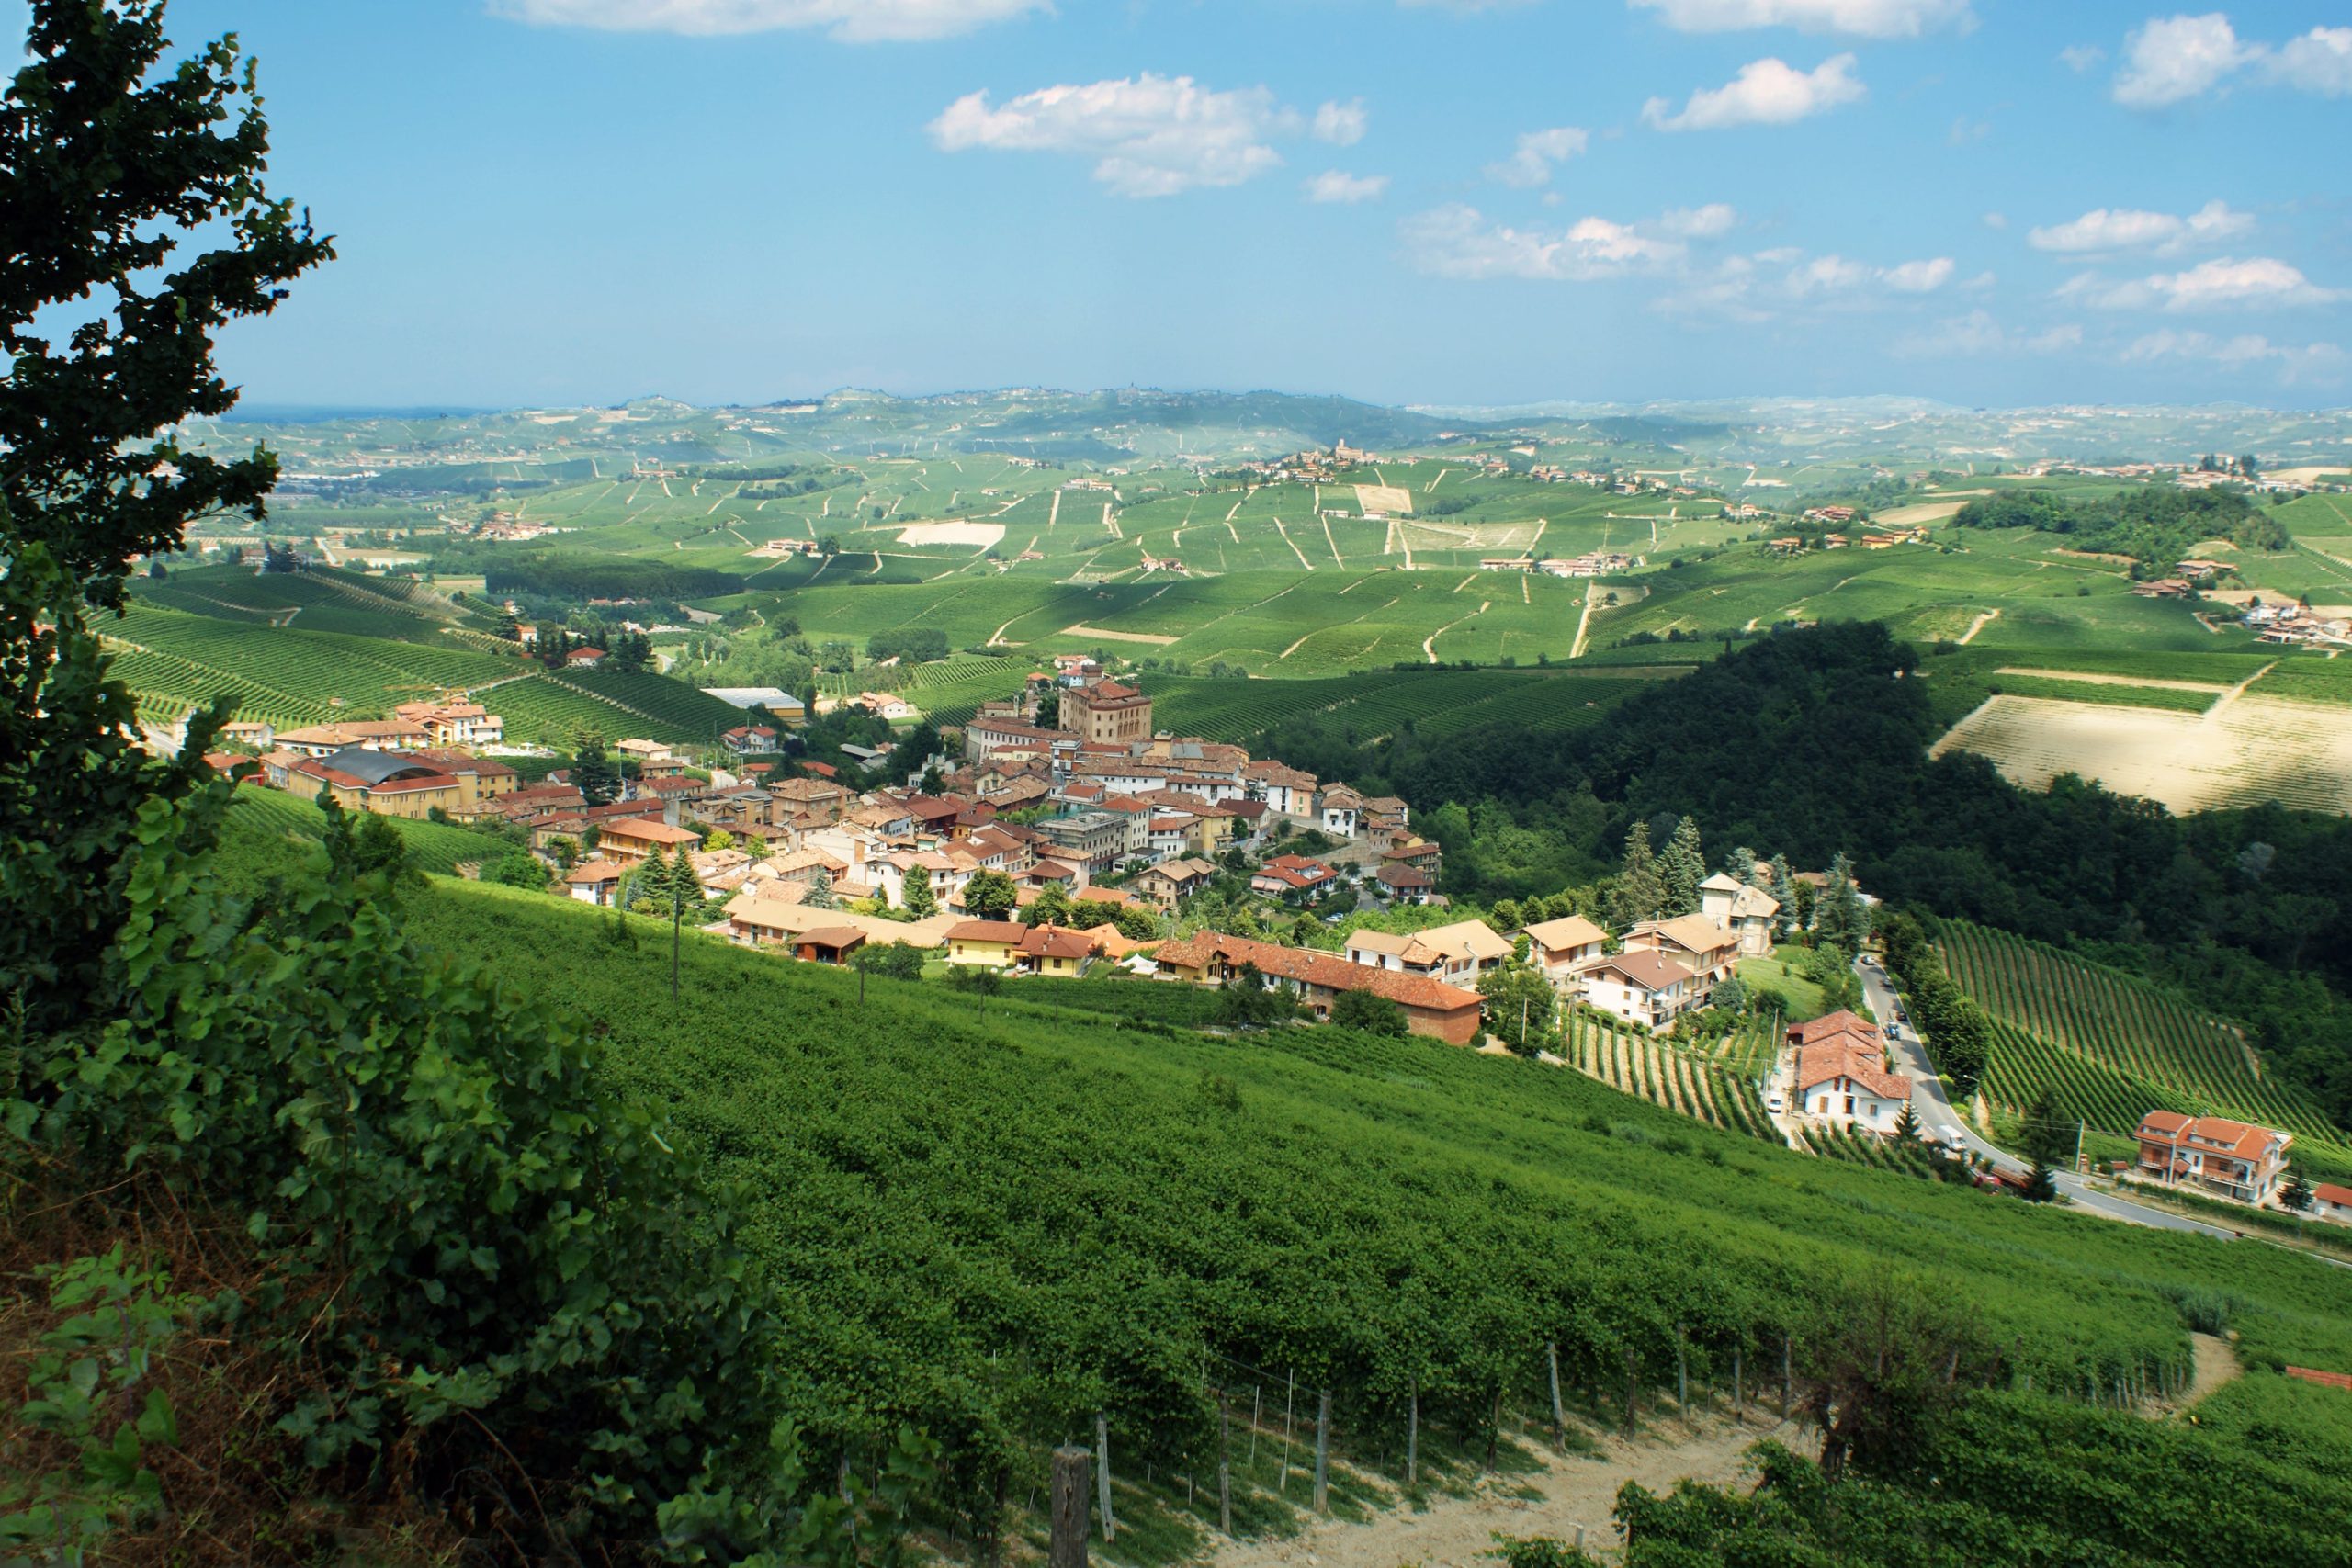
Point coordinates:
pixel 1938 1115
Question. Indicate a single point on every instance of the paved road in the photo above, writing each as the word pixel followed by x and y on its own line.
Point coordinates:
pixel 1937 1114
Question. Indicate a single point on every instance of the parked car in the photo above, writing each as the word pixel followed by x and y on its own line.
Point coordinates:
pixel 1776 1102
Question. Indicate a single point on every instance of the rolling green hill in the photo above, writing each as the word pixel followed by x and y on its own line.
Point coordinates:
pixel 2111 1047
pixel 1006 1216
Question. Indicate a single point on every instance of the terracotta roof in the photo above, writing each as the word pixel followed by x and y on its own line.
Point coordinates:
pixel 1836 1059
pixel 1404 876
pixel 1694 934
pixel 1007 932
pixel 2329 1192
pixel 1569 930
pixel 1651 971
pixel 831 936
pixel 1839 1022
pixel 589 871
pixel 651 829
pixel 1053 941
pixel 1311 968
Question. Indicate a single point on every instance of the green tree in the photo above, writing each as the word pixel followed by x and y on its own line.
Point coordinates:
pixel 1740 864
pixel 2296 1194
pixel 1683 865
pixel 593 774
pixel 892 961
pixel 1052 907
pixel 921 900
pixel 1906 1123
pixel 517 868
pixel 990 895
pixel 1520 1006
pixel 112 167
pixel 1839 917
pixel 2041 1186
pixel 820 893
pixel 2048 1134
pixel 1371 1014
pixel 1641 884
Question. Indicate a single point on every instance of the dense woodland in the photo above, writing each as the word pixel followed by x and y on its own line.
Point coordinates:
pixel 2156 528
pixel 1815 742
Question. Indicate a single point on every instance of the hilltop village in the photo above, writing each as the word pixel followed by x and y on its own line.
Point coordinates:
pixel 1060 835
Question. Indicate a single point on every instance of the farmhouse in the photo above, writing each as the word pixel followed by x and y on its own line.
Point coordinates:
pixel 1293 876
pixel 2230 1159
pixel 1706 950
pixel 1742 913
pixel 595 881
pixel 1562 947
pixel 628 839
pixel 1430 1007
pixel 1648 988
pixel 1459 954
pixel 583 658
pixel 1842 1079
pixel 1171 880
pixel 454 723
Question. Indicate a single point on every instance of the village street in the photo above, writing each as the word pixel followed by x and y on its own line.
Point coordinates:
pixel 1937 1114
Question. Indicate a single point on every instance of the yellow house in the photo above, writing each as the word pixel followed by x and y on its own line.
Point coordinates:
pixel 986 944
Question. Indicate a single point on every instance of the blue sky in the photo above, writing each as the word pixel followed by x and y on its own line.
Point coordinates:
pixel 1985 201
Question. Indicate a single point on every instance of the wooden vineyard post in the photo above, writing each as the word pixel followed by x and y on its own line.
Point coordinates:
pixel 1629 1390
pixel 1559 1418
pixel 1066 1546
pixel 1103 1476
pixel 1290 1396
pixel 1413 1433
pixel 1224 1469
pixel 1323 1454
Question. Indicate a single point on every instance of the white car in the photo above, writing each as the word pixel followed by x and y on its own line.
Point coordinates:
pixel 1776 1102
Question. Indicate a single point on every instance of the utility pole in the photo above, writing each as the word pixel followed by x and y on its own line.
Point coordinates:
pixel 2078 1146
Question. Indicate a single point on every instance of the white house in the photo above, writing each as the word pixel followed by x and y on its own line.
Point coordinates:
pixel 1335 811
pixel 1560 948
pixel 1649 988
pixel 1457 955
pixel 2330 1201
pixel 1839 1082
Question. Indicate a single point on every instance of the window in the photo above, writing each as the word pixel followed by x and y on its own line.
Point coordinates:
pixel 1849 1105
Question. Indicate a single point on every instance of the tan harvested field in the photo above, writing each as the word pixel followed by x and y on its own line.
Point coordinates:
pixel 1394 499
pixel 2085 678
pixel 2237 753
pixel 1082 629
pixel 985 534
pixel 1924 511
pixel 2309 476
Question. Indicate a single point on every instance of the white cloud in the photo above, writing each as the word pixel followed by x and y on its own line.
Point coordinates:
pixel 1979 335
pixel 2081 57
pixel 1148 135
pixel 2240 352
pixel 1709 222
pixel 1766 92
pixel 1530 164
pixel 2174 58
pixel 1918 276
pixel 1825 277
pixel 1863 18
pixel 1342 125
pixel 1332 184
pixel 2223 284
pixel 1996 220
pixel 1456 240
pixel 2107 229
pixel 853 21
pixel 2318 62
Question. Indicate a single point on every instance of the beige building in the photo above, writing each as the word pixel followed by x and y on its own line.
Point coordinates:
pixel 1106 711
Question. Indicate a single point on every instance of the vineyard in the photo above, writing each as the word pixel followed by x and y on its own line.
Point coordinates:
pixel 1015 1217
pixel 1439 702
pixel 288 676
pixel 2112 1048
pixel 276 816
pixel 1716 1084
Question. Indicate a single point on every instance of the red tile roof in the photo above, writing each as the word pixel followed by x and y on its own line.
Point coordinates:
pixel 1308 967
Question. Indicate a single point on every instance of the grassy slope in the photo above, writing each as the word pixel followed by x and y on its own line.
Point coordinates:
pixel 929 1171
